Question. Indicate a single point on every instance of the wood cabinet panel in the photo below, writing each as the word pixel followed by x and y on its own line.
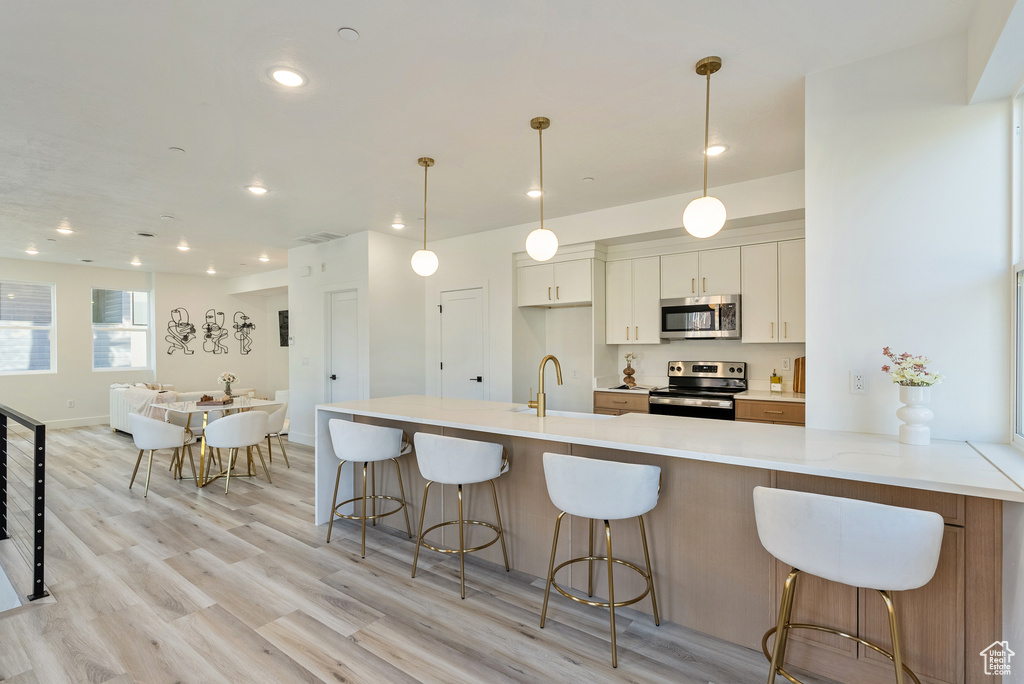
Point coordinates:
pixel 635 403
pixel 791 413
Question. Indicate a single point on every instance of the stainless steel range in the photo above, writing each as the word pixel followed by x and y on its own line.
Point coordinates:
pixel 700 389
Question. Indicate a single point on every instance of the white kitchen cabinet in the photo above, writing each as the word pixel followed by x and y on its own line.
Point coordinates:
pixel 559 284
pixel 633 301
pixel 773 292
pixel 695 274
pixel 792 300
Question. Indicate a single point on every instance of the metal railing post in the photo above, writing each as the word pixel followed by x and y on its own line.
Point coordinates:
pixel 38 514
pixel 3 476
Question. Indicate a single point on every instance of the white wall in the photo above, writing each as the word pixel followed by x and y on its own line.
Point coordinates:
pixel 908 240
pixel 277 356
pixel 396 318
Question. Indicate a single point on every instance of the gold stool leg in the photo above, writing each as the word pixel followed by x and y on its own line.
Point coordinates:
pixel 897 655
pixel 373 491
pixel 149 471
pixel 134 472
pixel 590 563
pixel 462 548
pixel 551 569
pixel 501 530
pixel 283 452
pixel 650 573
pixel 334 503
pixel 364 510
pixel 611 592
pixel 419 534
pixel 782 628
pixel 405 503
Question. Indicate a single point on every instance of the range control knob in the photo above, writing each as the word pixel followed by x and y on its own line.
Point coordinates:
pixel 732 370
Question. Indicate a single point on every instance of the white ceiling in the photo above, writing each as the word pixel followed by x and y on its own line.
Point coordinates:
pixel 95 92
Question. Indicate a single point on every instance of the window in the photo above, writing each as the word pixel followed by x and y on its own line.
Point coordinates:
pixel 120 329
pixel 26 327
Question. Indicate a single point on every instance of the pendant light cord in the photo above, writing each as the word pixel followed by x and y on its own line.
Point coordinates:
pixel 707 119
pixel 540 139
pixel 425 167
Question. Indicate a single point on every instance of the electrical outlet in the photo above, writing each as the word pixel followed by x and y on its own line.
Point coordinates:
pixel 71 403
pixel 785 364
pixel 858 382
pixel 575 375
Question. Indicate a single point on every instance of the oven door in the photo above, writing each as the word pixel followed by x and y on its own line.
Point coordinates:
pixel 701 317
pixel 692 407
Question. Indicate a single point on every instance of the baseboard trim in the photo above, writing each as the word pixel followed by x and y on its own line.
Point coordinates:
pixel 301 438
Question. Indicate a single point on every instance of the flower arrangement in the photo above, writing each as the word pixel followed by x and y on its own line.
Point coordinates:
pixel 630 358
pixel 910 371
pixel 226 378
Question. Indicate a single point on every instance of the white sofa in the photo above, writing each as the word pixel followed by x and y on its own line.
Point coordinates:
pixel 126 399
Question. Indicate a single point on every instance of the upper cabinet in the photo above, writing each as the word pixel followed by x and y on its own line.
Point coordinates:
pixel 773 292
pixel 695 274
pixel 633 304
pixel 564 283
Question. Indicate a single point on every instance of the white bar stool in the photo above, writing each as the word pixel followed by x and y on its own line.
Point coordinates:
pixel 602 490
pixel 152 434
pixel 454 461
pixel 359 442
pixel 859 543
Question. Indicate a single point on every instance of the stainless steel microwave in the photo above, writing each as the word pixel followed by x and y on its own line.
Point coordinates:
pixel 715 316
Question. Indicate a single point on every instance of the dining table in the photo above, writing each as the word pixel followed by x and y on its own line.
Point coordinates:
pixel 193 409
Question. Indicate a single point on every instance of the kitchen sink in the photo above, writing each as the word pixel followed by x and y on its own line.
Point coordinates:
pixel 562 414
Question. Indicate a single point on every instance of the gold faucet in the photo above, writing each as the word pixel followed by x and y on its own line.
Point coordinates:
pixel 541 402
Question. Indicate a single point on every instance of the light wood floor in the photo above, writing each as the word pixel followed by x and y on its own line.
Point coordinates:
pixel 196 586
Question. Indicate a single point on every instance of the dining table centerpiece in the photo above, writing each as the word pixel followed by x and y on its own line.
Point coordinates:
pixel 915 381
pixel 226 379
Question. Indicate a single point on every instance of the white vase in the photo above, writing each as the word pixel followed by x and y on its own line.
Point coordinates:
pixel 915 415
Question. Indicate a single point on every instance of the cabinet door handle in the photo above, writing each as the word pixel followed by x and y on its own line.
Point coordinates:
pixel 704 284
pixel 627 332
pixel 549 294
pixel 767 411
pixel 773 330
pixel 557 296
pixel 693 286
pixel 785 329
pixel 618 402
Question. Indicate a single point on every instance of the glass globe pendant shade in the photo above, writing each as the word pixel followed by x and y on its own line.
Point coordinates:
pixel 424 262
pixel 541 244
pixel 704 217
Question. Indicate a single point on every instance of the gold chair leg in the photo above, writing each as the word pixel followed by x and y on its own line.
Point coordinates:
pixel 551 570
pixel 250 467
pixel 149 471
pixel 419 533
pixel 897 655
pixel 232 453
pixel 283 452
pixel 176 462
pixel 364 510
pixel 401 488
pixel 191 461
pixel 650 573
pixel 334 503
pixel 590 563
pixel 462 548
pixel 782 628
pixel 134 472
pixel 501 530
pixel 266 471
pixel 611 592
pixel 270 450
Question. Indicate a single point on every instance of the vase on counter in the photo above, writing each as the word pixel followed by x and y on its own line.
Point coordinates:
pixel 915 415
pixel 628 380
pixel 227 389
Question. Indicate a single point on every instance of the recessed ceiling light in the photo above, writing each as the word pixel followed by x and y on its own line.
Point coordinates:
pixel 166 217
pixel 349 34
pixel 256 189
pixel 287 77
pixel 10 296
pixel 588 179
pixel 183 247
pixel 65 228
pixel 533 193
pixel 398 226
pixel 264 258
pixel 31 250
pixel 210 270
pixel 716 150
pixel 136 262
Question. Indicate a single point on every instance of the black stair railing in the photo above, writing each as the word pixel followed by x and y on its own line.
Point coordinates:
pixel 23 492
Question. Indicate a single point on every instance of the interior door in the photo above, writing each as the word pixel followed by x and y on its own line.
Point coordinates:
pixel 462 344
pixel 343 364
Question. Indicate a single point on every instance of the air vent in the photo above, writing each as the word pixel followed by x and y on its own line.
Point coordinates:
pixel 146 234
pixel 317 238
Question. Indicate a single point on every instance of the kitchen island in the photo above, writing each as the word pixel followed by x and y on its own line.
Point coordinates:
pixel 711 571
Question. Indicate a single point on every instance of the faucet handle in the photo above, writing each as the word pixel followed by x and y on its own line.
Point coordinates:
pixel 531 403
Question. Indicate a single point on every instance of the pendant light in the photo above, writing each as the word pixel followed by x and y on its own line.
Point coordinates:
pixel 705 215
pixel 424 262
pixel 541 244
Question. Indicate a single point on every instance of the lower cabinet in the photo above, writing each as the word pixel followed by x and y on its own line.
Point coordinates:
pixel 617 403
pixel 781 412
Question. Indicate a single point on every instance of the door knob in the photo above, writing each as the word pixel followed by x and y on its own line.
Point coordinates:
pixel 333 376
pixel 478 378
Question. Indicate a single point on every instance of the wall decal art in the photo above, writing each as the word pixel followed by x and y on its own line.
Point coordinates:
pixel 180 332
pixel 282 324
pixel 214 332
pixel 243 332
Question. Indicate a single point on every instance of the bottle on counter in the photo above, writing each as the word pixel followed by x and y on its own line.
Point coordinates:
pixel 776 384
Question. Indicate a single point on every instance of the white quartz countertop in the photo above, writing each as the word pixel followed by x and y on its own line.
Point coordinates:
pixel 943 466
pixel 635 390
pixel 764 395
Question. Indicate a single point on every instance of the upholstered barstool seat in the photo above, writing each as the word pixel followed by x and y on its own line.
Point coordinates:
pixel 233 432
pixel 459 462
pixel 859 543
pixel 601 490
pixel 367 444
pixel 151 434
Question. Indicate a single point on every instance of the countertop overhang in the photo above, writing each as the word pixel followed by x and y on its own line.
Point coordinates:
pixel 943 466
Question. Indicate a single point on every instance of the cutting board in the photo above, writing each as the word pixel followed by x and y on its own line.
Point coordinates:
pixel 799 378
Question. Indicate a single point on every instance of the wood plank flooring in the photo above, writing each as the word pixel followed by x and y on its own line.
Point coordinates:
pixel 199 586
